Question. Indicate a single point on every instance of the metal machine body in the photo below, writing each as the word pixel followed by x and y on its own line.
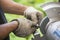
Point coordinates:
pixel 52 29
pixel 50 25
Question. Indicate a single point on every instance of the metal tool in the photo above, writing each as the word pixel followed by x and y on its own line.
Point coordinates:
pixel 52 29
pixel 43 23
pixel 52 10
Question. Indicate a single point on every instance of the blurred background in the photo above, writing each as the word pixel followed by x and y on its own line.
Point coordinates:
pixel 36 4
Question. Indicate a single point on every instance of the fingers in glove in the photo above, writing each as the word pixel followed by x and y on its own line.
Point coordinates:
pixel 33 30
pixel 39 17
pixel 34 25
pixel 28 16
pixel 34 18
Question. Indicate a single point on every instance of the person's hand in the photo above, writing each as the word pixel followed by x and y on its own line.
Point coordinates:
pixel 25 27
pixel 33 14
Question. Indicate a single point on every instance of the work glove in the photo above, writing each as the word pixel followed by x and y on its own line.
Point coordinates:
pixel 33 14
pixel 25 27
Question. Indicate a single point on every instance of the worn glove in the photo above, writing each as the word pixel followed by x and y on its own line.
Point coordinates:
pixel 25 27
pixel 33 14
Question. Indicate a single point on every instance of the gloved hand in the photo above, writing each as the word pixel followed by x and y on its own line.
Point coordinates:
pixel 25 27
pixel 33 14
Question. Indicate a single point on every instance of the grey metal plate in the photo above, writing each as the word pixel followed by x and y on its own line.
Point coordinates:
pixel 43 24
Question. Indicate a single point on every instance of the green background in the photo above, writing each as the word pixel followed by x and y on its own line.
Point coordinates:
pixel 36 4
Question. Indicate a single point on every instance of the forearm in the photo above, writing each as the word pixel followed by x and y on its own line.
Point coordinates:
pixel 12 7
pixel 5 29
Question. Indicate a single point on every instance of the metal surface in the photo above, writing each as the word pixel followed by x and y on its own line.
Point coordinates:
pixel 52 10
pixel 42 27
pixel 43 24
pixel 37 37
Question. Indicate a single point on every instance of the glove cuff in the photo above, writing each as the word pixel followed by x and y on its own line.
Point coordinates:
pixel 17 26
